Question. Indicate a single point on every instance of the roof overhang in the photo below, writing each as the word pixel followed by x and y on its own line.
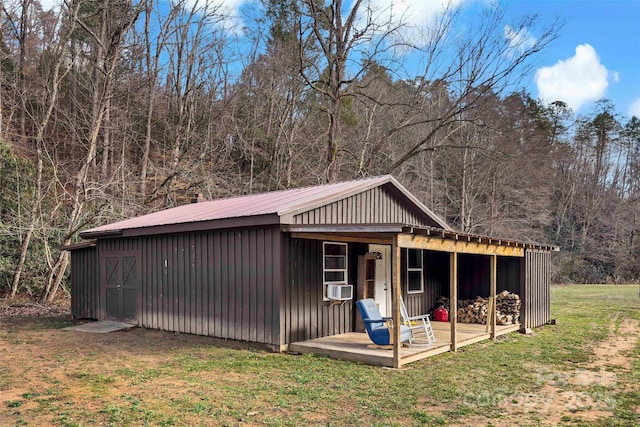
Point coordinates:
pixel 412 237
pixel 80 245
pixel 187 227
pixel 476 238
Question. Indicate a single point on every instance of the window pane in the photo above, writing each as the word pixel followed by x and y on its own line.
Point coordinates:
pixel 333 249
pixel 334 276
pixel 334 262
pixel 414 281
pixel 414 258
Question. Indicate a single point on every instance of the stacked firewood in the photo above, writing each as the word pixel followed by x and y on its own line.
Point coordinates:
pixel 475 310
pixel 508 308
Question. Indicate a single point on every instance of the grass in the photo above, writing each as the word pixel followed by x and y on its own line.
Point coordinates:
pixel 148 377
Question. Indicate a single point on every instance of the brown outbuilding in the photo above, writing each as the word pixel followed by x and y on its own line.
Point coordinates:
pixel 283 269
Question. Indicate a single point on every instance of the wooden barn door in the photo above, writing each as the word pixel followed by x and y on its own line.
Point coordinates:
pixel 121 286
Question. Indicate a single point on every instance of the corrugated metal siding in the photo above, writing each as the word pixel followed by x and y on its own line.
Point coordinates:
pixel 436 271
pixel 306 315
pixel 373 206
pixel 85 283
pixel 221 283
pixel 536 293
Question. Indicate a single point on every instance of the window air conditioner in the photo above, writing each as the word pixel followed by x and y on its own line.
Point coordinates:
pixel 340 292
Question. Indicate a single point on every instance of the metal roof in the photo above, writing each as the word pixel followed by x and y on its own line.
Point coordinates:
pixel 280 203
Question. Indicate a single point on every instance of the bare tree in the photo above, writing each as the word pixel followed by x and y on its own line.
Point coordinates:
pixel 34 23
pixel 343 37
pixel 108 41
pixel 195 43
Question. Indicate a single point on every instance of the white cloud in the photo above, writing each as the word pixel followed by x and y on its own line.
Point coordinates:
pixel 412 12
pixel 229 9
pixel 576 80
pixel 615 76
pixel 50 4
pixel 634 109
pixel 414 15
pixel 519 41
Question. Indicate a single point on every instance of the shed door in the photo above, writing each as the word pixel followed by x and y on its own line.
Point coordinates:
pixel 121 284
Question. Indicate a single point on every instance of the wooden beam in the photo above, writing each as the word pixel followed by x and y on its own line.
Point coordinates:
pixel 493 284
pixel 524 298
pixel 453 299
pixel 341 237
pixel 395 302
pixel 436 243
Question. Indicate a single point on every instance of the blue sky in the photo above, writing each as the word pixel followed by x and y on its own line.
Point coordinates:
pixel 597 53
pixel 611 30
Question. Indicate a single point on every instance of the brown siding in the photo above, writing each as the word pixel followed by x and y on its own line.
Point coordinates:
pixel 473 276
pixel 536 302
pixel 305 314
pixel 436 270
pixel 509 274
pixel 220 283
pixel 373 206
pixel 85 286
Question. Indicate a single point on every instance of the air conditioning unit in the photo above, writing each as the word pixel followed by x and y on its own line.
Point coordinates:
pixel 340 292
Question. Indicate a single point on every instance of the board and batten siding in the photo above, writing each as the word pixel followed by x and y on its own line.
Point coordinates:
pixel 433 266
pixel 374 206
pixel 85 284
pixel 222 283
pixel 305 314
pixel 536 298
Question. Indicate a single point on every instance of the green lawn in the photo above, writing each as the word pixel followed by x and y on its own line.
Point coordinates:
pixel 144 377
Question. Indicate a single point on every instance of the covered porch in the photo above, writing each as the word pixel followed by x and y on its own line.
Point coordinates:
pixel 357 347
pixel 463 263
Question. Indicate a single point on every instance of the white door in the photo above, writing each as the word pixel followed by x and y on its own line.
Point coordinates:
pixel 382 287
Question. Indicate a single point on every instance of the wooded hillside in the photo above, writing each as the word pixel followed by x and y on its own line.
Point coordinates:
pixel 115 108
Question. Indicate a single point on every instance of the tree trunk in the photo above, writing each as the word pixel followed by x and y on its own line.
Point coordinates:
pixel 106 61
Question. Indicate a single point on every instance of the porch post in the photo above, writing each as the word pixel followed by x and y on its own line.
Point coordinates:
pixel 453 299
pixel 494 310
pixel 524 295
pixel 395 279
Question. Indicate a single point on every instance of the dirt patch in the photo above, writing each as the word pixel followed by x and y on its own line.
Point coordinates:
pixel 570 395
pixel 613 353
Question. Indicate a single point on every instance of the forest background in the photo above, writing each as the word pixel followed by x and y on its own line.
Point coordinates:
pixel 116 108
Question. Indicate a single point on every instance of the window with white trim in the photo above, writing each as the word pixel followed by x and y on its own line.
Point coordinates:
pixel 334 268
pixel 415 276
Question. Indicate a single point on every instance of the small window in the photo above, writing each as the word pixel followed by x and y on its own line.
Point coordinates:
pixel 415 278
pixel 334 269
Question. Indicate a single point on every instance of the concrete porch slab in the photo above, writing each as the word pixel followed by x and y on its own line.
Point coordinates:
pixel 101 327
